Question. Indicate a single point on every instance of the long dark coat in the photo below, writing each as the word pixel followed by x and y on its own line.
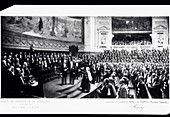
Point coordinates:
pixel 85 84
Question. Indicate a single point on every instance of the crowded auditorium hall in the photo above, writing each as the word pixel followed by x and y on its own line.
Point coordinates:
pixel 85 57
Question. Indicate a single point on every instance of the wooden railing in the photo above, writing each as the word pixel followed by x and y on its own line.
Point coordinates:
pixel 93 92
pixel 149 95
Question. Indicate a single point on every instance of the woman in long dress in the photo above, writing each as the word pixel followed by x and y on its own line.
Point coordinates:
pixel 85 84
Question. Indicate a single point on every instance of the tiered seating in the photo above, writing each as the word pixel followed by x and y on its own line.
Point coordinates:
pixel 156 56
pixel 131 41
pixel 118 56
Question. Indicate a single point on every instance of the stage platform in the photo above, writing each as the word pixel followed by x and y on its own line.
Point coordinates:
pixel 55 89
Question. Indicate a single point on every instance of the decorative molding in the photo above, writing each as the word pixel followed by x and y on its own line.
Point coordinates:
pixel 160 22
pixel 20 41
pixel 104 28
pixel 160 27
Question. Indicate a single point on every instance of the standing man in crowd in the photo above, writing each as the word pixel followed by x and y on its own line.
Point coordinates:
pixel 141 89
pixel 72 72
pixel 64 72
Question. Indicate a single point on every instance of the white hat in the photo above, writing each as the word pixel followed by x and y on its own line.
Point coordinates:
pixel 153 74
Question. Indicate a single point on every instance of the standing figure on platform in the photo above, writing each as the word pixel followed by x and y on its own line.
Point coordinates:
pixel 49 64
pixel 102 71
pixel 98 73
pixel 72 72
pixel 21 61
pixel 55 63
pixel 85 84
pixel 52 63
pixel 36 67
pixel 24 56
pixel 32 60
pixel 76 70
pixel 93 73
pixel 64 72
pixel 14 59
pixel 59 66
pixel 45 65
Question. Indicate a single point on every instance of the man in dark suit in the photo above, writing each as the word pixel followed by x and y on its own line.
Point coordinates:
pixel 107 90
pixel 141 89
pixel 64 72
pixel 72 72
pixel 93 73
pixel 76 70
pixel 98 73
pixel 18 84
pixel 6 82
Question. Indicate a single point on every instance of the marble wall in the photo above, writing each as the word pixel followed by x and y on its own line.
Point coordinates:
pixel 160 31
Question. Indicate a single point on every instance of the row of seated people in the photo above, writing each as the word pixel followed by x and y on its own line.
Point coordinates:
pixel 154 56
pixel 132 25
pixel 115 42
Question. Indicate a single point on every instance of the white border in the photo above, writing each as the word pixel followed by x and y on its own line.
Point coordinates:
pixel 87 10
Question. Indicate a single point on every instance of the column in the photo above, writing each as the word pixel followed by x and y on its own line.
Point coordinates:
pixel 90 37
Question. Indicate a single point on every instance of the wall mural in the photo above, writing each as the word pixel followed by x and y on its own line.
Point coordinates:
pixel 131 23
pixel 58 28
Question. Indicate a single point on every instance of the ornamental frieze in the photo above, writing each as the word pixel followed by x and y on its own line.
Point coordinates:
pixel 15 40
